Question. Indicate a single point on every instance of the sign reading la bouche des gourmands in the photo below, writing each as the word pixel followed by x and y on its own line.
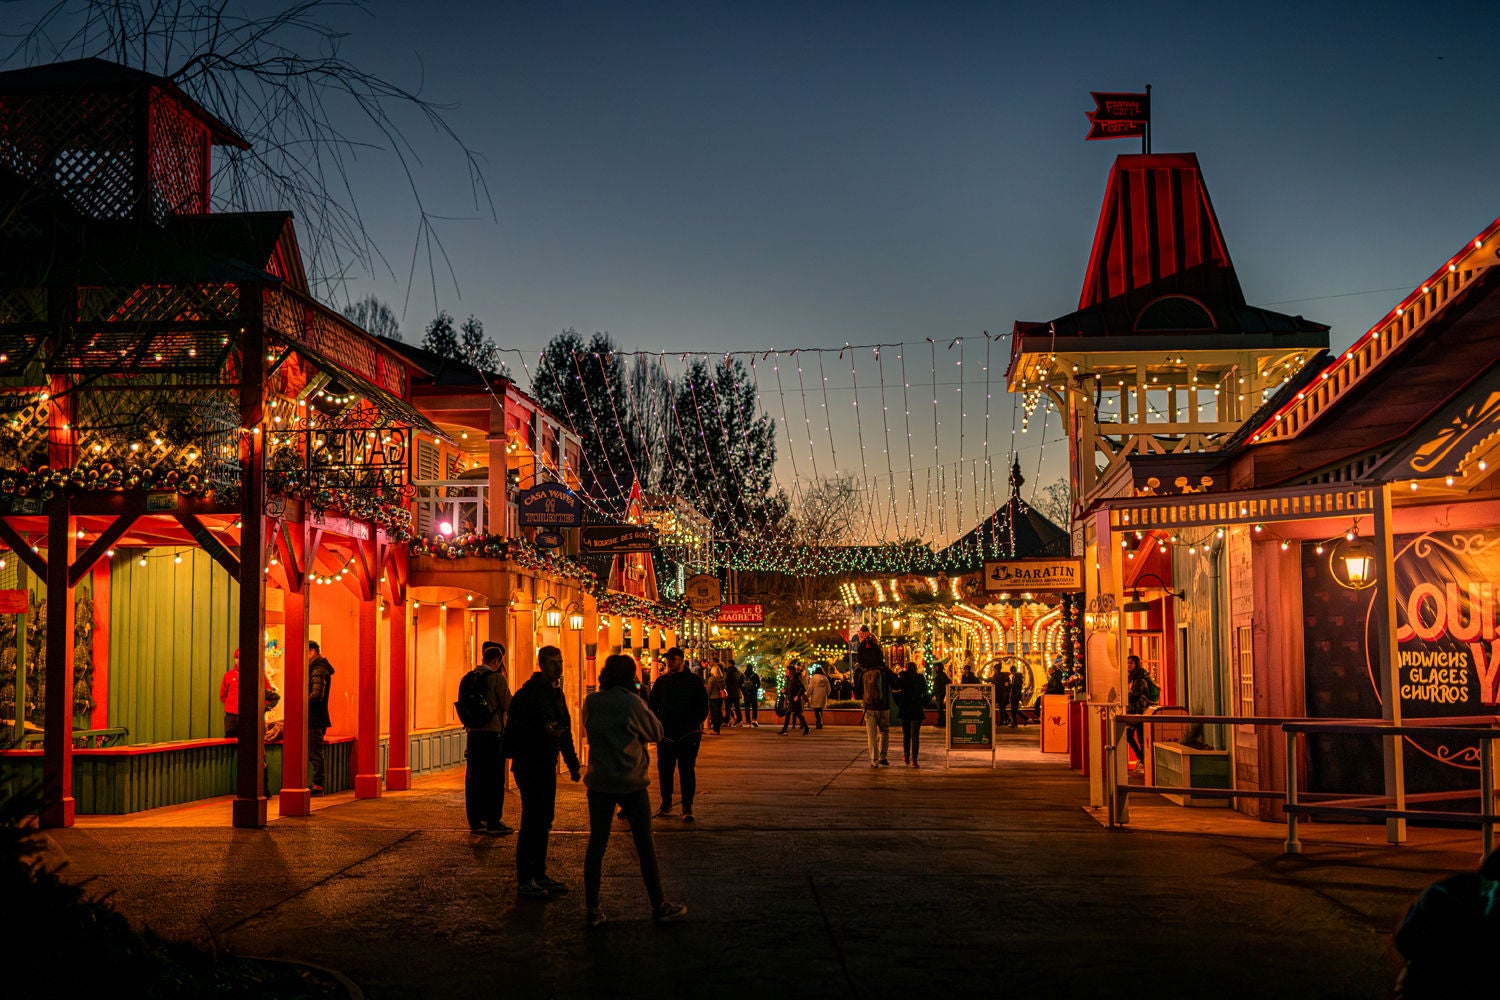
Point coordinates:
pixel 1033 575
pixel 617 539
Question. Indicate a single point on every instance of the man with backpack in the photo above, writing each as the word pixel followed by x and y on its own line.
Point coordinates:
pixel 483 701
pixel 873 683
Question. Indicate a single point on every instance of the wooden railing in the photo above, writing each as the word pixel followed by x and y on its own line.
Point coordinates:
pixel 461 504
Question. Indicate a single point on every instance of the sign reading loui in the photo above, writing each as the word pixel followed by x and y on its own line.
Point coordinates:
pixel 1033 575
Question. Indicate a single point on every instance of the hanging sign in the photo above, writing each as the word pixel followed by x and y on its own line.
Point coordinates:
pixel 1033 575
pixel 14 602
pixel 549 505
pixel 741 614
pixel 549 540
pixel 1119 116
pixel 703 592
pixel 616 539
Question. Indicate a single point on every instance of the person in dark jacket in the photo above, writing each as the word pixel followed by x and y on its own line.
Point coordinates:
pixel 536 732
pixel 910 697
pixel 680 701
pixel 484 777
pixel 796 696
pixel 1449 937
pixel 319 684
pixel 733 692
pixel 750 683
pixel 874 685
pixel 940 682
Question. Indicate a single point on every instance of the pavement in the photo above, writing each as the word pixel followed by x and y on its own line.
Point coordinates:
pixel 807 873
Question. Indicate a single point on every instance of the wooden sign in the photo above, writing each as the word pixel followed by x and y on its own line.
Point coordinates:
pixel 703 592
pixel 741 614
pixel 616 539
pixel 1033 576
pixel 549 505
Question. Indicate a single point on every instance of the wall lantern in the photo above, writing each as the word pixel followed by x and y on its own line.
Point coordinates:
pixel 1359 562
pixel 554 618
pixel 575 622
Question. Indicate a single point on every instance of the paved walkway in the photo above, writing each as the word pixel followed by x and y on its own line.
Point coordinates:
pixel 807 874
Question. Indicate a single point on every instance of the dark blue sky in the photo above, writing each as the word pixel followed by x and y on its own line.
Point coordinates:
pixel 708 176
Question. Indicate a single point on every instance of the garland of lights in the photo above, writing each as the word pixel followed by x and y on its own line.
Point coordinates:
pixel 615 603
pixel 516 550
pixel 386 514
pixel 46 482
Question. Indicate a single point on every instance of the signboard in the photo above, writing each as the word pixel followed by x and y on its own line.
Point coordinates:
pixel 1033 575
pixel 549 505
pixel 703 592
pixel 14 602
pixel 616 539
pixel 971 718
pixel 161 501
pixel 741 614
pixel 549 540
pixel 1119 116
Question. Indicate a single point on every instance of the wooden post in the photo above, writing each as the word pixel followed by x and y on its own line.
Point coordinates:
pixel 57 746
pixel 249 808
pixel 398 756
pixel 1388 661
pixel 367 739
pixel 296 797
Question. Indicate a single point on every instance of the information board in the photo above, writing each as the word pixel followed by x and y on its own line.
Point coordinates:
pixel 971 718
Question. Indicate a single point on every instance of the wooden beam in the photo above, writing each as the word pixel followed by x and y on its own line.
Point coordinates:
pixel 101 545
pixel 23 551
pixel 212 545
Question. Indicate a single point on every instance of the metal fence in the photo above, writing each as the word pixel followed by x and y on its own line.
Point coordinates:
pixel 1390 808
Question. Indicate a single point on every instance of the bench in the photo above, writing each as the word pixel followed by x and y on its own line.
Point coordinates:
pixel 84 739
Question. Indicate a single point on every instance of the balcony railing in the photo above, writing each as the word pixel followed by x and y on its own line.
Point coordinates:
pixel 461 504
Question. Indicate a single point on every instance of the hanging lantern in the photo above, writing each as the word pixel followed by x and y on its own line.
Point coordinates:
pixel 1359 563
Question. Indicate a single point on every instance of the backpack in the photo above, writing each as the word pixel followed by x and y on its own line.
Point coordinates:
pixel 1153 692
pixel 872 688
pixel 473 704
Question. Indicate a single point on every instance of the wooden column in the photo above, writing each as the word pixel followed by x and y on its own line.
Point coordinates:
pixel 398 757
pixel 367 739
pixel 57 746
pixel 1387 661
pixel 249 808
pixel 296 797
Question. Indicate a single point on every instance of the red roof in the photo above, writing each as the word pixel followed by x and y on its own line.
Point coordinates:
pixel 1157 224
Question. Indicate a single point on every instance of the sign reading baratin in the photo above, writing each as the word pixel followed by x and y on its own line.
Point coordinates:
pixel 741 614
pixel 617 539
pixel 1053 575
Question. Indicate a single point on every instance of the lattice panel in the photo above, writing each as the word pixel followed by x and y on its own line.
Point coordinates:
pixel 328 333
pixel 191 429
pixel 23 305
pixel 179 159
pixel 80 144
pixel 217 303
pixel 24 433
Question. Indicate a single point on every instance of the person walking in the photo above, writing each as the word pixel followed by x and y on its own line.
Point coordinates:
pixel 1137 700
pixel 619 727
pixel 910 698
pixel 940 684
pixel 680 701
pixel 796 696
pixel 319 684
pixel 733 693
pixel 1000 681
pixel 1017 691
pixel 750 683
pixel 537 730
pixel 818 690
pixel 874 681
pixel 484 776
pixel 717 690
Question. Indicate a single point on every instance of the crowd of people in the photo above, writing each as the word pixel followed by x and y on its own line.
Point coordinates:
pixel 628 713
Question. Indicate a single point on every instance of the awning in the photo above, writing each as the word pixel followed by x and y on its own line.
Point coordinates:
pixel 391 406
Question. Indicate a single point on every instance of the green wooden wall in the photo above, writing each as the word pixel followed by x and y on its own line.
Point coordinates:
pixel 173 629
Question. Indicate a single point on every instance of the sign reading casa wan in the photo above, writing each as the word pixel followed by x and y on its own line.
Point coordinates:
pixel 549 505
pixel 616 539
pixel 741 614
pixel 1034 575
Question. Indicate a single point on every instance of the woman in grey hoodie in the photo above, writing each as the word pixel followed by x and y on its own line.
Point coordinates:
pixel 619 725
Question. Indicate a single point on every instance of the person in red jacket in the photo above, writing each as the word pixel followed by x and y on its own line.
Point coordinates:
pixel 229 694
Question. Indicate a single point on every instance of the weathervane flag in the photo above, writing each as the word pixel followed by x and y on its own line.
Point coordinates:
pixel 1119 116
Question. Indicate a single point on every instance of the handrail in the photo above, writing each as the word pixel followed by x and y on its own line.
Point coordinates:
pixel 467 499
pixel 1294 727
